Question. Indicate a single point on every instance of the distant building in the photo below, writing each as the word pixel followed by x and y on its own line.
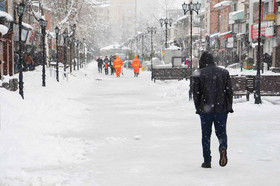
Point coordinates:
pixel 122 19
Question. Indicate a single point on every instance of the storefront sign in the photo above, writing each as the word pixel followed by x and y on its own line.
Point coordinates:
pixel 24 33
pixel 267 29
pixel 230 42
pixel 270 17
pixel 30 38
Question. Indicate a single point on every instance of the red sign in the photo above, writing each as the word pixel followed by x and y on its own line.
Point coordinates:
pixel 267 30
pixel 31 37
pixel 226 36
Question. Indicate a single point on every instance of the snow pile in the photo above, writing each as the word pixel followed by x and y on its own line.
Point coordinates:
pixel 6 15
pixel 30 135
pixel 3 29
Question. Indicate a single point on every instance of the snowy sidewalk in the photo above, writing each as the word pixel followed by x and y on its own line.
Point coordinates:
pixel 97 130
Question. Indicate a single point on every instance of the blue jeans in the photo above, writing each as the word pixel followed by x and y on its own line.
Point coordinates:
pixel 219 120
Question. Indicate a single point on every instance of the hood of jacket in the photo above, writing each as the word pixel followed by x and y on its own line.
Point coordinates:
pixel 136 57
pixel 206 59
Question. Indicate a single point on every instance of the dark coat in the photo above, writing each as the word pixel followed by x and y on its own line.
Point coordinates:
pixel 212 90
pixel 99 62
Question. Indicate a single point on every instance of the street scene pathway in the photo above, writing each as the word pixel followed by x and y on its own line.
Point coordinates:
pixel 98 130
pixel 144 133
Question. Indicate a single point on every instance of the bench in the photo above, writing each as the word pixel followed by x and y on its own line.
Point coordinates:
pixel 174 72
pixel 239 86
pixel 170 73
pixel 270 86
pixel 245 85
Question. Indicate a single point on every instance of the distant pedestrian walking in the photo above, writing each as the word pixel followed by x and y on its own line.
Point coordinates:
pixel 106 65
pixel 212 93
pixel 111 65
pixel 99 64
pixel 136 65
pixel 118 63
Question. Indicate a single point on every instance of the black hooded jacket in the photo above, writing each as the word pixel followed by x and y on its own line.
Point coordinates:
pixel 212 90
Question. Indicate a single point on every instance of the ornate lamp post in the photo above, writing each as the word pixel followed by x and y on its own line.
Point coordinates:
pixel 152 30
pixel 65 35
pixel 258 77
pixel 43 24
pixel 166 22
pixel 57 71
pixel 190 8
pixel 20 12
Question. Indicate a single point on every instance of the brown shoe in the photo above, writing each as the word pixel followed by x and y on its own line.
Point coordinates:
pixel 223 157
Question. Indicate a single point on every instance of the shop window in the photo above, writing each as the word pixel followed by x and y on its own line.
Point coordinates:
pixel 3 5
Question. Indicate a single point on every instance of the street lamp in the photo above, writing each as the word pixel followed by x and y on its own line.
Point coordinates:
pixel 190 8
pixel 20 12
pixel 166 22
pixel 70 42
pixel 65 35
pixel 152 30
pixel 258 77
pixel 57 71
pixel 43 24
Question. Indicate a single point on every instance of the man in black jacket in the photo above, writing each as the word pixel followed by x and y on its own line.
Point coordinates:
pixel 212 93
pixel 99 64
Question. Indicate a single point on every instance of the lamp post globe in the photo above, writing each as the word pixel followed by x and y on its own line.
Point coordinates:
pixel 21 9
pixel 166 21
pixel 56 30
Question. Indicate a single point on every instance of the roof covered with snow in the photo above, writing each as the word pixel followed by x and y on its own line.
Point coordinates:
pixel 6 15
pixel 222 4
pixel 28 26
pixel 115 46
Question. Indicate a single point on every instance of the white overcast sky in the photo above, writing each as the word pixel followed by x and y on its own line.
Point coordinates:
pixel 172 3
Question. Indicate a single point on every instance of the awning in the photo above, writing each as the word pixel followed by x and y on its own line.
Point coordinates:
pixel 237 15
pixel 222 4
pixel 7 16
pixel 27 26
pixel 215 35
pixel 226 35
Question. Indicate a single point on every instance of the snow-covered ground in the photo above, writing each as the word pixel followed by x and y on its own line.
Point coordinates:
pixel 97 130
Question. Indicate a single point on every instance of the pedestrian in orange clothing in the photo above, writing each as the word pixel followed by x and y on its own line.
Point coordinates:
pixel 136 65
pixel 118 63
